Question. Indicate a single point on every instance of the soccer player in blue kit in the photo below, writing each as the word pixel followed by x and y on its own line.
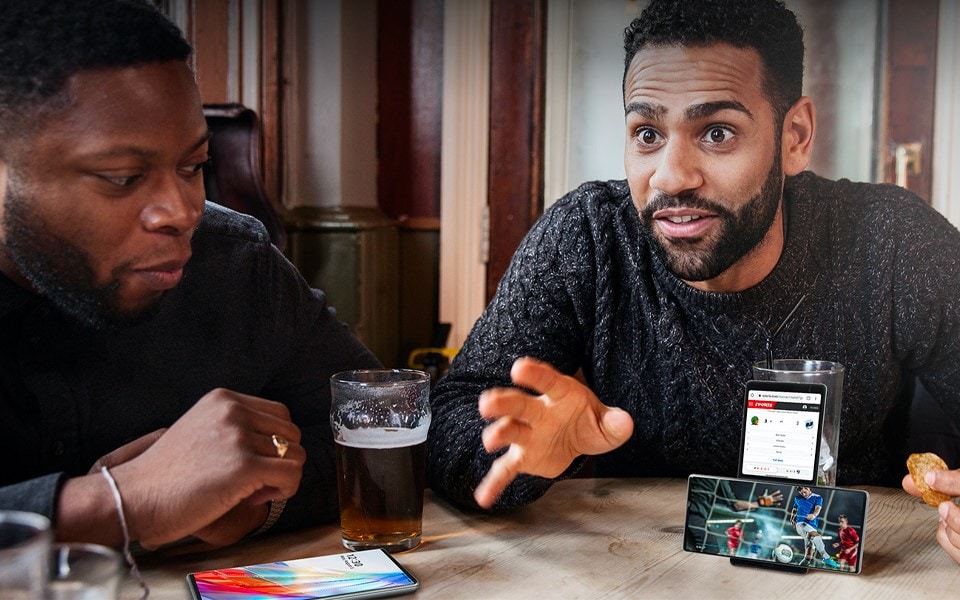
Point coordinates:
pixel 805 515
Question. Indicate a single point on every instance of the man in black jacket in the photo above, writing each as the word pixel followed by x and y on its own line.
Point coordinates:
pixel 142 329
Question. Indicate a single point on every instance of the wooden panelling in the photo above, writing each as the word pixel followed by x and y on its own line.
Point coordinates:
pixel 516 127
pixel 271 109
pixel 410 80
pixel 211 46
pixel 911 81
pixel 208 29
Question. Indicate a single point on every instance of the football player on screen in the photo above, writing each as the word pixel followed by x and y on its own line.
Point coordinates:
pixel 849 544
pixel 805 516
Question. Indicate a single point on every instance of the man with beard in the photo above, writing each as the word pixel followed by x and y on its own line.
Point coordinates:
pixel 160 361
pixel 663 290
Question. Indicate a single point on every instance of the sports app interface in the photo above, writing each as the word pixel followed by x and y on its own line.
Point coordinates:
pixel 781 432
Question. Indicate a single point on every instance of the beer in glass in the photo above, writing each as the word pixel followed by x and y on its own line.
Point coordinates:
pixel 380 419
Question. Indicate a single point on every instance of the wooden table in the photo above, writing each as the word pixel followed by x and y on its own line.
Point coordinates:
pixel 602 538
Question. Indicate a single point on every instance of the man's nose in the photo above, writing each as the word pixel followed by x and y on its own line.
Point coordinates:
pixel 678 169
pixel 175 206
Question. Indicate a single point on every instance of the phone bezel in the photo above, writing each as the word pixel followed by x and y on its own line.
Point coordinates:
pixel 782 386
pixel 861 526
pixel 378 593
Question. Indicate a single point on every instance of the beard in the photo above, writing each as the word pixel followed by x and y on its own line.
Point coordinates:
pixel 60 271
pixel 739 233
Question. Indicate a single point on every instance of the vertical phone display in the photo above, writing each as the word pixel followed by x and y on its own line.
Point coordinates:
pixel 779 525
pixel 361 574
pixel 781 431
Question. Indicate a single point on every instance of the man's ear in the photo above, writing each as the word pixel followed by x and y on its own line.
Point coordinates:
pixel 799 129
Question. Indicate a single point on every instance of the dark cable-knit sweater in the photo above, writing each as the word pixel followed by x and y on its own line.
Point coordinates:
pixel 585 290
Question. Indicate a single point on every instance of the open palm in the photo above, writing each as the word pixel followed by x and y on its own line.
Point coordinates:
pixel 544 433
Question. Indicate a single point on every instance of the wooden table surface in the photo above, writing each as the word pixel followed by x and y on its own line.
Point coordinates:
pixel 602 538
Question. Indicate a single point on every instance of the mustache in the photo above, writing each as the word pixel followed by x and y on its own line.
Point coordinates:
pixel 682 200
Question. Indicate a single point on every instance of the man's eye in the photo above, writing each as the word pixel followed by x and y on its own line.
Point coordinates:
pixel 648 136
pixel 196 168
pixel 124 181
pixel 718 135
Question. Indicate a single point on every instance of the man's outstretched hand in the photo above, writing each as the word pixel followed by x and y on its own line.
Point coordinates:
pixel 544 432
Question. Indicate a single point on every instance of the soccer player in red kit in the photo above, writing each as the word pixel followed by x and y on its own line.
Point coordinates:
pixel 849 545
pixel 734 537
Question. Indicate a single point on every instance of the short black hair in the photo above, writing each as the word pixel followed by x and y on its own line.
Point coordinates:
pixel 44 42
pixel 766 26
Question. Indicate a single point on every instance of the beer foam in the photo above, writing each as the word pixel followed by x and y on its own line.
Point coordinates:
pixel 381 437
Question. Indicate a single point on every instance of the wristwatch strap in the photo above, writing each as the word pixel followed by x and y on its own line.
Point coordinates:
pixel 276 509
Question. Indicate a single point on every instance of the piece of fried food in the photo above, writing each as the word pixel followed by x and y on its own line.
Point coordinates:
pixel 919 464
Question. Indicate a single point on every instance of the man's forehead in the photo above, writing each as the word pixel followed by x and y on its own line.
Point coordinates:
pixel 711 72
pixel 137 102
pixel 156 85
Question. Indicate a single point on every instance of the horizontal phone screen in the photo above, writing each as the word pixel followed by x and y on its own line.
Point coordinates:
pixel 358 573
pixel 797 527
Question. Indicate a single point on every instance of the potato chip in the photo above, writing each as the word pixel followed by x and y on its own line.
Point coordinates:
pixel 919 464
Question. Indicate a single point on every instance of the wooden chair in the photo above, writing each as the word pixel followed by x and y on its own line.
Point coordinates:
pixel 232 177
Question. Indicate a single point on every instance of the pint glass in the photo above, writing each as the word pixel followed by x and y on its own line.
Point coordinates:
pixel 380 419
pixel 815 371
pixel 24 543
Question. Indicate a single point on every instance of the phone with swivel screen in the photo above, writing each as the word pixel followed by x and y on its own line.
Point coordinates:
pixel 795 527
pixel 781 431
pixel 351 575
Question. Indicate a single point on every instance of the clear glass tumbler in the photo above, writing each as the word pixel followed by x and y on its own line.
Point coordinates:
pixel 81 571
pixel 24 543
pixel 814 371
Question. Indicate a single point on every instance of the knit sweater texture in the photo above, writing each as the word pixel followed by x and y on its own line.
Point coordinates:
pixel 586 290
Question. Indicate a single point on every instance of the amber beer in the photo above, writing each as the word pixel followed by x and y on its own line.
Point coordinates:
pixel 380 419
pixel 380 483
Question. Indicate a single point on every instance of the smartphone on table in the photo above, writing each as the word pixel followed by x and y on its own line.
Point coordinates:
pixel 360 574
pixel 781 431
pixel 797 527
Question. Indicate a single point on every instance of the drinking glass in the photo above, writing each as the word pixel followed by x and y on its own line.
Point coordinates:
pixel 83 572
pixel 380 419
pixel 814 371
pixel 24 544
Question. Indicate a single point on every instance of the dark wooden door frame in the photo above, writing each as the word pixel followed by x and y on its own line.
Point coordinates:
pixel 910 66
pixel 515 179
pixel 410 82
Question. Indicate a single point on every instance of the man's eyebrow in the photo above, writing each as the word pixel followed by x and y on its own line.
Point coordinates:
pixel 646 110
pixel 707 109
pixel 656 112
pixel 203 140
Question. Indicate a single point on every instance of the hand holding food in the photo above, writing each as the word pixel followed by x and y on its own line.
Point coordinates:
pixel 919 464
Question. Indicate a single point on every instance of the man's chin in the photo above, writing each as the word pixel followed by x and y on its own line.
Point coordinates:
pixel 137 315
pixel 688 260
pixel 106 315
pixel 690 271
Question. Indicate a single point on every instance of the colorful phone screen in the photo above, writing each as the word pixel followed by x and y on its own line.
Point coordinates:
pixel 361 574
pixel 797 527
pixel 781 430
